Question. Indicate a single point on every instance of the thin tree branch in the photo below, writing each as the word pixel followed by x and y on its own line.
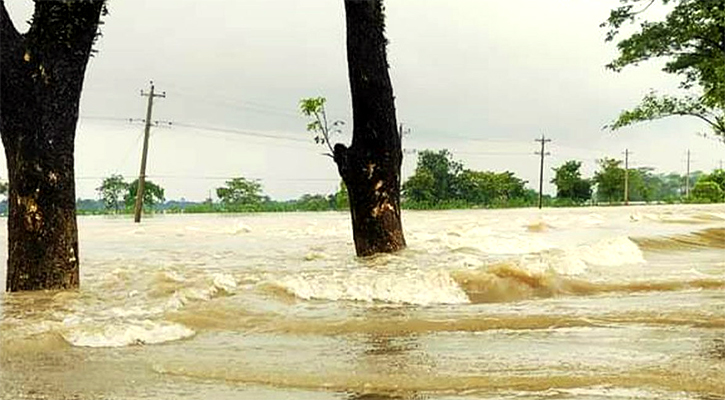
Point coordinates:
pixel 697 115
pixel 644 9
pixel 325 130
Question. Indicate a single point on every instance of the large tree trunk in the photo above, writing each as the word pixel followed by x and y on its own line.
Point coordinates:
pixel 41 77
pixel 371 166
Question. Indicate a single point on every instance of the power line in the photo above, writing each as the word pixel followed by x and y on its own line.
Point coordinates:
pixel 103 118
pixel 127 153
pixel 471 153
pixel 238 132
pixel 214 177
pixel 236 103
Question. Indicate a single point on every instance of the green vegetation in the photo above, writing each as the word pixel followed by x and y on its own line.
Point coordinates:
pixel 241 194
pixel 570 187
pixel 710 188
pixel 441 182
pixel 112 191
pixel 691 42
pixel 610 180
pixel 645 186
pixel 153 195
pixel 314 108
pixel 707 192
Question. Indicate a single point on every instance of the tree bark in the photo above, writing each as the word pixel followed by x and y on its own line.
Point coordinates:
pixel 41 77
pixel 370 167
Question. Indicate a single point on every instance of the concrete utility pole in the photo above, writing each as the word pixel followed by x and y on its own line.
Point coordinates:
pixel 142 174
pixel 626 176
pixel 687 176
pixel 542 153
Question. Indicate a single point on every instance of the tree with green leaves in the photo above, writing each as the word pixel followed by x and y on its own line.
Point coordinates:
pixel 421 188
pixel 710 187
pixel 610 180
pixel 707 191
pixel 41 81
pixel 642 184
pixel 440 180
pixel 435 179
pixel 667 187
pixel 489 188
pixel 691 42
pixel 240 194
pixel 569 183
pixel 112 191
pixel 717 176
pixel 153 195
pixel 314 108
pixel 315 202
pixel 370 166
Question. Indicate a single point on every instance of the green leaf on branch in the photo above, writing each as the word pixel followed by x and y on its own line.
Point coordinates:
pixel 314 107
pixel 654 107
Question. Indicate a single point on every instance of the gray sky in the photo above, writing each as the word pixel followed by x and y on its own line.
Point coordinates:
pixel 482 78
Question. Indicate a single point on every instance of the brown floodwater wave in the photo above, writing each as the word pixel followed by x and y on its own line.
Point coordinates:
pixel 706 381
pixel 713 238
pixel 497 283
pixel 40 343
pixel 209 317
pixel 507 282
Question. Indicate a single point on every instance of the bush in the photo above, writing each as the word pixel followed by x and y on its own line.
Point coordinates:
pixel 709 192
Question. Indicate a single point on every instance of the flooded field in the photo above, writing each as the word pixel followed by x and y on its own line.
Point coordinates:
pixel 589 303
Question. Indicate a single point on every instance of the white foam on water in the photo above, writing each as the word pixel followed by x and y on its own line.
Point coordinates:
pixel 412 287
pixel 125 333
pixel 613 252
pixel 224 282
pixel 559 262
pixel 487 241
pixel 221 283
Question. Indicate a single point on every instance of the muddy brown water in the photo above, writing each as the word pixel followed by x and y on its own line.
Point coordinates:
pixel 588 303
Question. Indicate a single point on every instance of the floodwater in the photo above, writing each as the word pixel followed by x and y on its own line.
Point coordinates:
pixel 588 303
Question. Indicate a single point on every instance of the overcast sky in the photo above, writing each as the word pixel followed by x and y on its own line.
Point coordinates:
pixel 482 78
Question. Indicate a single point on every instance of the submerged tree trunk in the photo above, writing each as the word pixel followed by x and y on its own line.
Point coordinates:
pixel 41 77
pixel 371 166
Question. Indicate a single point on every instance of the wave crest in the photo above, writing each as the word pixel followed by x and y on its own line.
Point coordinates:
pixel 119 334
pixel 411 287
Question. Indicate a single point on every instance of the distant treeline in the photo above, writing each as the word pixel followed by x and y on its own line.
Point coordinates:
pixel 439 182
